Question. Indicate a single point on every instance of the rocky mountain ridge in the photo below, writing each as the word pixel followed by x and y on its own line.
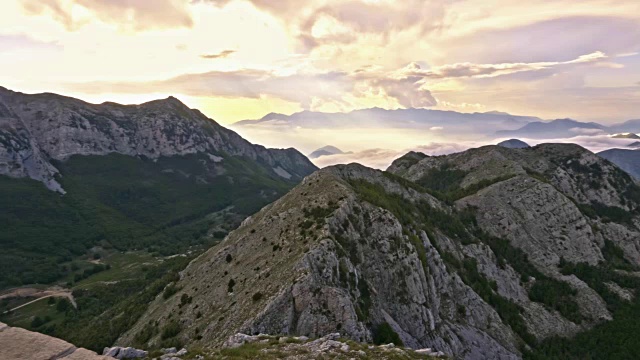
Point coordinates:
pixel 37 130
pixel 472 254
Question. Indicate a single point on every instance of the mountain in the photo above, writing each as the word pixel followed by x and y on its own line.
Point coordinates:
pixel 556 129
pixel 630 126
pixel 326 150
pixel 627 160
pixel 514 144
pixel 460 123
pixel 157 176
pixel 41 128
pixel 634 144
pixel 490 253
pixel 626 136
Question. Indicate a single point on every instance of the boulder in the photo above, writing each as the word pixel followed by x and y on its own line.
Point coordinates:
pixel 124 352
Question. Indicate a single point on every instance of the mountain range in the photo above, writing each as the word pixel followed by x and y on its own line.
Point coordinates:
pixel 491 124
pixel 496 252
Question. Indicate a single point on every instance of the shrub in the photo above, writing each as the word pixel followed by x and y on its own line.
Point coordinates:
pixel 185 299
pixel 36 322
pixel 384 334
pixel 172 329
pixel 63 305
pixel 257 296
pixel 169 291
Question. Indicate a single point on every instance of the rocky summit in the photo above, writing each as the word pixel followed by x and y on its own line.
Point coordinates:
pixel 484 254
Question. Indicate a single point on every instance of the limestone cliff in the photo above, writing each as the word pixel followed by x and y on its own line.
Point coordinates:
pixel 471 266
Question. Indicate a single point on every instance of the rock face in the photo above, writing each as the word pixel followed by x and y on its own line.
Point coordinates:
pixel 38 129
pixel 465 266
pixel 16 344
pixel 124 353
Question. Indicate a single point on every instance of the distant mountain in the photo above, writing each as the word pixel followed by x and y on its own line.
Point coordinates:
pixel 326 150
pixel 626 136
pixel 514 144
pixel 133 177
pixel 635 144
pixel 627 160
pixel 455 122
pixel 629 126
pixel 556 129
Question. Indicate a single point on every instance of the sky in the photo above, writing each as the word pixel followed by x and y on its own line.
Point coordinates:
pixel 241 59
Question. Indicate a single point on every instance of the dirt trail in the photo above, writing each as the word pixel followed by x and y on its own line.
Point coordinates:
pixel 39 294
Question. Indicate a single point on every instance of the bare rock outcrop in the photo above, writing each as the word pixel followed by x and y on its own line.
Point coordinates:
pixel 16 344
pixel 475 268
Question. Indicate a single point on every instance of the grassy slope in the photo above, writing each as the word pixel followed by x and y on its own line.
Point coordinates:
pixel 124 203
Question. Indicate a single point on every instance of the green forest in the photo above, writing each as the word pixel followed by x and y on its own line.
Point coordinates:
pixel 124 203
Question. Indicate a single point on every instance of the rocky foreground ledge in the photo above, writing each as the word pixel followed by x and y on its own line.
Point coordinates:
pixel 19 344
pixel 332 346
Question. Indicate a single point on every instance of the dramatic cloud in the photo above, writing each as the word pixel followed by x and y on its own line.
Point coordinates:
pixel 552 59
pixel 221 55
pixel 492 70
pixel 303 88
pixel 556 39
pixel 133 15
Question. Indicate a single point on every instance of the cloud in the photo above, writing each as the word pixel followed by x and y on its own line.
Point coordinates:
pixel 583 131
pixel 557 38
pixel 382 158
pixel 131 15
pixel 309 89
pixel 315 23
pixel 436 128
pixel 221 55
pixel 471 70
pixel 24 42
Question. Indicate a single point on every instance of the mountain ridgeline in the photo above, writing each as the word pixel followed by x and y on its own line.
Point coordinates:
pixel 492 253
pixel 156 176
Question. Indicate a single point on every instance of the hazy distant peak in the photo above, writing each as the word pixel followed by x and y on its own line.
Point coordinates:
pixel 626 136
pixel 514 144
pixel 326 150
